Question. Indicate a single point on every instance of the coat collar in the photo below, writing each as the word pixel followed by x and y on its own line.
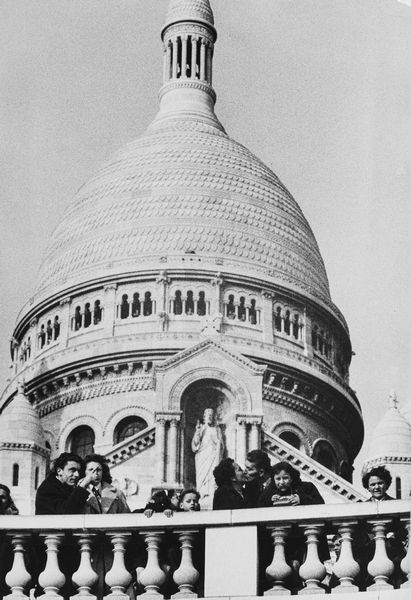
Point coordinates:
pixel 108 495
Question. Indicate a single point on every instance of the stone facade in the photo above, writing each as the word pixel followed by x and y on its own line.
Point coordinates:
pixel 184 276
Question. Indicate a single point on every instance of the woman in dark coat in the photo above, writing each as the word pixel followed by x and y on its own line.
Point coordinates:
pixel 228 478
pixel 287 489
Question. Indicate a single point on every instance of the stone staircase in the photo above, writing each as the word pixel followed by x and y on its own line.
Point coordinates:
pixel 131 446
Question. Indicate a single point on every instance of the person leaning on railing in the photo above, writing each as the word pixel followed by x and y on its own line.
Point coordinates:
pixel 287 489
pixel 377 481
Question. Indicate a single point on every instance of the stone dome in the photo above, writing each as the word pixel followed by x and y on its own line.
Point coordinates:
pixel 392 436
pixel 20 422
pixel 183 188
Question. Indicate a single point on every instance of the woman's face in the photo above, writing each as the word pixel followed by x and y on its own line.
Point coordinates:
pixel 4 500
pixel 96 470
pixel 283 481
pixel 377 487
pixel 239 473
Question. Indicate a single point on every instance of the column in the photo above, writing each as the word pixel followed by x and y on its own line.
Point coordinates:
pixel 312 571
pixel 184 56
pixel 65 325
pixel 194 41
pixel 18 577
pixel 163 283
pixel 308 349
pixel 255 438
pixel 215 303
pixel 174 65
pixel 85 576
pixel 202 60
pixel 109 308
pixel 346 568
pixel 173 449
pixel 52 579
pixel 381 567
pixel 209 63
pixel 279 569
pixel 118 578
pixel 186 576
pixel 241 439
pixel 165 62
pixel 160 447
pixel 152 577
pixel 267 317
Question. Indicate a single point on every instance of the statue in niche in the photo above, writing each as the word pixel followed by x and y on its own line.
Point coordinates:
pixel 208 447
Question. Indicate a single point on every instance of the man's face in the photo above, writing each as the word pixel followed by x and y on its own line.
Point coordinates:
pixel 251 472
pixel 69 474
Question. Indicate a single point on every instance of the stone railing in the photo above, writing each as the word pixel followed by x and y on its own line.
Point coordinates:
pixel 211 553
pixel 131 446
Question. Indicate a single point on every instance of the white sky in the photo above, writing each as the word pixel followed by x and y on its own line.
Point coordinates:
pixel 320 90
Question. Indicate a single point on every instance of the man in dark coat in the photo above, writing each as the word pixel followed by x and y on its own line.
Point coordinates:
pixel 63 493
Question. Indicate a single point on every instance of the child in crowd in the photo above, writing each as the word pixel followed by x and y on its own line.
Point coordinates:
pixel 165 501
pixel 189 500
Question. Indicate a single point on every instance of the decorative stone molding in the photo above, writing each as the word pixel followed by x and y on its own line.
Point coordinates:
pixel 132 410
pixel 131 446
pixel 162 278
pixel 24 446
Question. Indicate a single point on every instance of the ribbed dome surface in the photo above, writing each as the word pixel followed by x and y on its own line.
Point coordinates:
pixel 195 10
pixel 184 188
pixel 20 423
pixel 392 436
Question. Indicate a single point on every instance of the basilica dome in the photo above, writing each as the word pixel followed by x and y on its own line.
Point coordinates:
pixel 184 188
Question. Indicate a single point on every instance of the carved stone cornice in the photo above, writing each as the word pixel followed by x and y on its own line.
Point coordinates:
pixel 24 446
pixel 168 416
pixel 249 419
pixel 187 83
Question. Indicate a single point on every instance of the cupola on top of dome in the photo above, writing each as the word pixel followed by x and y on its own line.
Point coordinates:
pixel 189 10
pixel 184 186
pixel 392 436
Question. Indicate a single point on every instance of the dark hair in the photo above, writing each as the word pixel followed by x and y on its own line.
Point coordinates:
pixel 260 459
pixel 102 461
pixel 9 503
pixel 189 491
pixel 380 472
pixel 61 461
pixel 285 466
pixel 224 472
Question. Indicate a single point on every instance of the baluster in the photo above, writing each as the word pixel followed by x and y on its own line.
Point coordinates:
pixel 312 571
pixel 118 578
pixel 52 579
pixel 406 561
pixel 152 576
pixel 18 577
pixel 346 568
pixel 381 567
pixel 85 576
pixel 186 576
pixel 278 570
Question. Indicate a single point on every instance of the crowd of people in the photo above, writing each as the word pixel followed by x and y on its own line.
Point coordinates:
pixel 81 486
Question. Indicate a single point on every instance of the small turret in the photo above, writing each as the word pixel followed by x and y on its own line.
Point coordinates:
pixel 23 452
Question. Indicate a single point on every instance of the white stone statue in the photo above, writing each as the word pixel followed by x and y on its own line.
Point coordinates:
pixel 208 447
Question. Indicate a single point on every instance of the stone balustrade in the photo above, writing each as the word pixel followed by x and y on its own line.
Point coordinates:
pixel 210 554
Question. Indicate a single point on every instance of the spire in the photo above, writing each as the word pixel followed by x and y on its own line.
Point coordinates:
pixel 188 43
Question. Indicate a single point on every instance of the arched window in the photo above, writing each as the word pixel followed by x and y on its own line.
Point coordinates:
pixel 398 488
pixel 277 318
pixel 189 303
pixel 15 479
pixel 49 331
pixel 56 327
pixel 82 441
pixel 135 306
pixel 241 310
pixel 42 337
pixel 287 322
pixel 36 478
pixel 252 313
pixel 201 305
pixel 324 454
pixel 314 337
pixel 291 438
pixel 231 307
pixel 178 303
pixel 124 307
pixel 128 427
pixel 97 312
pixel 296 327
pixel 147 305
pixel 87 315
pixel 77 318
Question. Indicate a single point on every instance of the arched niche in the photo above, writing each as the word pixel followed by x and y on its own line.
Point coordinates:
pixel 199 395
